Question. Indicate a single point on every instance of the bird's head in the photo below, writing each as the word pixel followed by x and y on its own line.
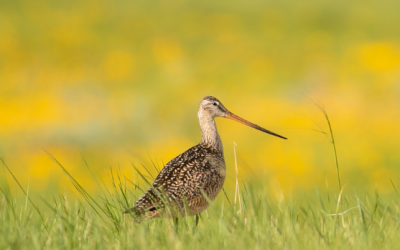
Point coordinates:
pixel 212 107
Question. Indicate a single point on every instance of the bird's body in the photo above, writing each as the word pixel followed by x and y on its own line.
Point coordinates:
pixel 183 181
pixel 189 182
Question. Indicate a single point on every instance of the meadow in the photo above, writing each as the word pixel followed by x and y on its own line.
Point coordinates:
pixel 92 93
pixel 251 219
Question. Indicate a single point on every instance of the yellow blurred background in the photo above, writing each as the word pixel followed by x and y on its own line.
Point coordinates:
pixel 120 81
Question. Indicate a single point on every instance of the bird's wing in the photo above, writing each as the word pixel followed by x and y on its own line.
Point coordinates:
pixel 201 186
pixel 167 183
pixel 185 179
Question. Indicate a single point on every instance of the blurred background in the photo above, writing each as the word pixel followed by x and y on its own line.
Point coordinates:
pixel 119 82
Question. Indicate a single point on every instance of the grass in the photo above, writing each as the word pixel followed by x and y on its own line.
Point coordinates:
pixel 323 220
pixel 308 221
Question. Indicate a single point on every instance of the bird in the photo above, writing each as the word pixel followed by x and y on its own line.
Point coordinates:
pixel 192 180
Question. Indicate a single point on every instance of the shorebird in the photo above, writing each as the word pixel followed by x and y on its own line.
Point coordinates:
pixel 189 182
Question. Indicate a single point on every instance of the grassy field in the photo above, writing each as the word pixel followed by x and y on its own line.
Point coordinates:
pixel 253 218
pixel 116 84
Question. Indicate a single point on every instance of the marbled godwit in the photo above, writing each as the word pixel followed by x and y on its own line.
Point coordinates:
pixel 187 184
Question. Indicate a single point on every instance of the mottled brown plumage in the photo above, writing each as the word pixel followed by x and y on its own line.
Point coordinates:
pixel 187 183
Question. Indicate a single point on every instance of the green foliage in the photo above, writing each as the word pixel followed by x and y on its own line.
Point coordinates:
pixel 308 221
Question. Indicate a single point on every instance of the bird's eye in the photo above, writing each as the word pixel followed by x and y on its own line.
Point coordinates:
pixel 215 104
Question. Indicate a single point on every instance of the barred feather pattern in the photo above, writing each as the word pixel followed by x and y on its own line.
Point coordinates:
pixel 184 182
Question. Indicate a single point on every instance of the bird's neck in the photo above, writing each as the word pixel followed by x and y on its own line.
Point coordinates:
pixel 209 133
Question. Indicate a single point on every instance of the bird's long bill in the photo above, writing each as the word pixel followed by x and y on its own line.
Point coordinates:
pixel 243 121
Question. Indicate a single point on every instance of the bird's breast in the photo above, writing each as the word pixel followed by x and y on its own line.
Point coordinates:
pixel 218 164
